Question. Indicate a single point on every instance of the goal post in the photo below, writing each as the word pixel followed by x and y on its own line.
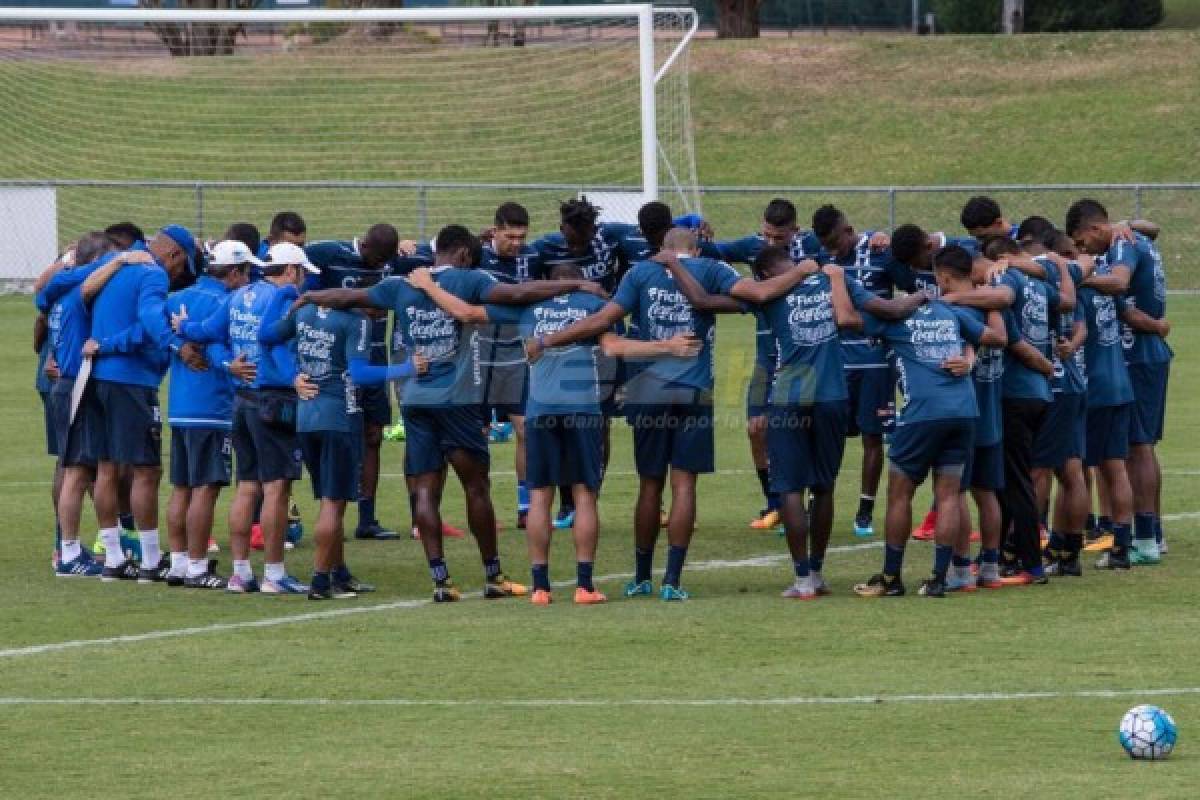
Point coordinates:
pixel 414 116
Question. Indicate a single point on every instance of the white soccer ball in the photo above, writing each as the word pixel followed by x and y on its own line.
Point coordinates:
pixel 1147 732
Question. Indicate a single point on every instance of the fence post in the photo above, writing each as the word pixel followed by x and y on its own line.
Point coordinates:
pixel 1137 202
pixel 422 211
pixel 200 209
pixel 891 209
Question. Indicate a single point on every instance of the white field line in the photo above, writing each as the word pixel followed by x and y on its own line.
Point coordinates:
pixel 552 702
pixel 769 560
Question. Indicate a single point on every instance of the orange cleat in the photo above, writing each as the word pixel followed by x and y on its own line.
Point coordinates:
pixel 541 597
pixel 256 537
pixel 766 521
pixel 995 583
pixel 1022 579
pixel 583 597
pixel 925 531
pixel 453 532
pixel 975 537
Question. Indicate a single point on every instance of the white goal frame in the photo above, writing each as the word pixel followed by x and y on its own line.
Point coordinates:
pixel 644 13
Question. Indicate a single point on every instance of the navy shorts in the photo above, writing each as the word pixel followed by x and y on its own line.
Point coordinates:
pixel 986 469
pixel 564 450
pixel 943 445
pixel 431 433
pixel 48 421
pixel 131 431
pixel 334 462
pixel 1063 431
pixel 872 400
pixel 1149 402
pixel 201 457
pixel 805 446
pixel 78 443
pixel 1107 434
pixel 507 390
pixel 373 400
pixel 675 435
pixel 265 453
pixel 758 393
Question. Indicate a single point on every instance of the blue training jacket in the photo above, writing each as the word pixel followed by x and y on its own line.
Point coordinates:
pixel 201 399
pixel 236 323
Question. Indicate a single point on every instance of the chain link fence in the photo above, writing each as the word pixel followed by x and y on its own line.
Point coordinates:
pixel 40 217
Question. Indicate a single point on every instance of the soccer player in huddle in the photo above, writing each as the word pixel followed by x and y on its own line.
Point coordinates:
pixel 125 395
pixel 264 417
pixel 780 228
pixel 1058 448
pixel 200 413
pixel 362 263
pixel 69 324
pixel 441 407
pixel 332 350
pixel 1134 271
pixel 870 379
pixel 984 477
pixel 935 429
pixel 509 258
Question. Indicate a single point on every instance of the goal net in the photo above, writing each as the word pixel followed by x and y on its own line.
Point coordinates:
pixel 415 117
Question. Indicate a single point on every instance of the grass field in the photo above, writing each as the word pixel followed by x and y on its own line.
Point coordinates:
pixel 737 693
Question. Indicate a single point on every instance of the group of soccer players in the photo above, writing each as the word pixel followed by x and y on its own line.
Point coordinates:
pixel 1011 361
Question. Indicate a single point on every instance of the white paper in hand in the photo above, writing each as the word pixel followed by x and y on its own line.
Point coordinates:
pixel 81 381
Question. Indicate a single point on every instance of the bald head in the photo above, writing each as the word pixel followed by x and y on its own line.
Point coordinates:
pixel 680 240
pixel 380 244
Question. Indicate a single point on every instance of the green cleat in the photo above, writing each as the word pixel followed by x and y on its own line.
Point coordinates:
pixel 1145 555
pixel 634 588
pixel 673 594
pixel 394 433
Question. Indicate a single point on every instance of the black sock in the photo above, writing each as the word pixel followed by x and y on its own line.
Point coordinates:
pixel 675 558
pixel 643 564
pixel 583 575
pixel 764 480
pixel 541 577
pixel 866 506
pixel 1072 544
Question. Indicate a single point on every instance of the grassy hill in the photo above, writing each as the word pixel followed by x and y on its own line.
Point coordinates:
pixel 816 110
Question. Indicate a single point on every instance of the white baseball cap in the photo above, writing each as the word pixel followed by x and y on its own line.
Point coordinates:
pixel 288 253
pixel 231 253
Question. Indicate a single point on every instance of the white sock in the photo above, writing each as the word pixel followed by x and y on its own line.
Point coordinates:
pixel 197 567
pixel 114 556
pixel 70 551
pixel 178 565
pixel 242 570
pixel 274 572
pixel 151 554
pixel 816 579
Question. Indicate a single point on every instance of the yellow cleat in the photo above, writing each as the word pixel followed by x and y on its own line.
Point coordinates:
pixel 1104 543
pixel 768 520
pixel 501 586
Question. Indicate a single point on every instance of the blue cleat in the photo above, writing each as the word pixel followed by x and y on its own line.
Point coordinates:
pixel 500 432
pixel 673 594
pixel 564 519
pixel 81 567
pixel 634 588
